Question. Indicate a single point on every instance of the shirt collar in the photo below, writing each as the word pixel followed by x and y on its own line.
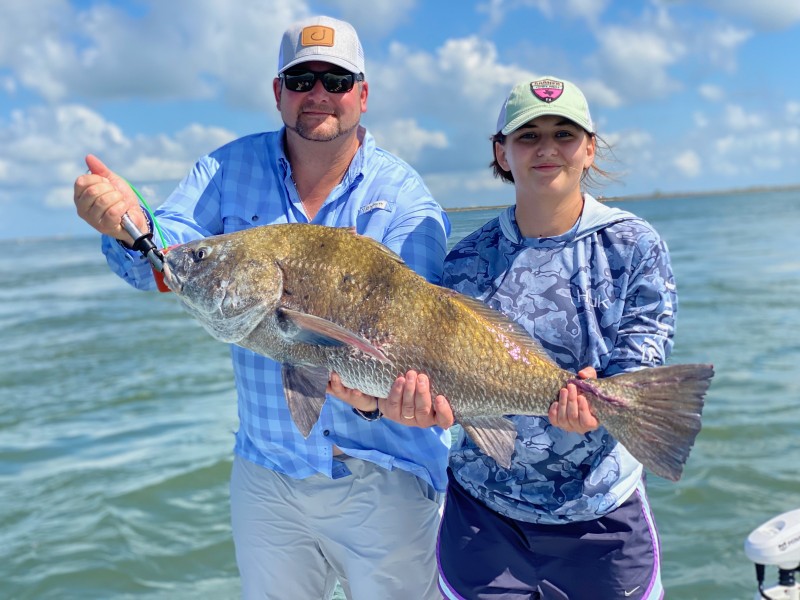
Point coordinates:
pixel 510 229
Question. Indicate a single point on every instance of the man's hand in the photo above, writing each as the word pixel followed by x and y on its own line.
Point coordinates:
pixel 102 197
pixel 571 412
pixel 354 398
pixel 409 401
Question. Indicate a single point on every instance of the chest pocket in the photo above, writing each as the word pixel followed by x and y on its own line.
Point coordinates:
pixel 235 222
pixel 237 218
pixel 261 200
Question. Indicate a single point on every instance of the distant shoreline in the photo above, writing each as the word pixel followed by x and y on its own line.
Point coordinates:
pixel 657 196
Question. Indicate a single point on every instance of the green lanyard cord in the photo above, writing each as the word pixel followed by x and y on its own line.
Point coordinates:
pixel 150 213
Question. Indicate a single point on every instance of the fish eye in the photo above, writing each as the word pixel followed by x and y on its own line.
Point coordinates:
pixel 200 254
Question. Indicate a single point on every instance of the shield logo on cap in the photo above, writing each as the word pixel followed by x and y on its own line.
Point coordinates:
pixel 547 90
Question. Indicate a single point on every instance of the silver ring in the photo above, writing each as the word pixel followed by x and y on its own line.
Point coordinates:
pixel 409 418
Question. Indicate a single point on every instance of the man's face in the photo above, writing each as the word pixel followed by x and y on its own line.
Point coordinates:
pixel 319 115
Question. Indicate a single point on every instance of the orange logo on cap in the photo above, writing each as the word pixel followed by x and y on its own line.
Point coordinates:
pixel 316 35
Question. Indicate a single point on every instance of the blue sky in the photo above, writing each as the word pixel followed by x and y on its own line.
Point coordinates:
pixel 692 95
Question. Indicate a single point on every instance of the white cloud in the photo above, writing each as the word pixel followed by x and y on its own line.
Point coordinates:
pixel 498 10
pixel 630 140
pixel 713 93
pixel 43 137
pixel 688 163
pixel 406 138
pixel 46 145
pixel 373 19
pixel 765 14
pixel 475 187
pixel 631 153
pixel 738 119
pixel 8 85
pixel 58 196
pixel 189 49
pixel 464 85
pixel 600 93
pixel 700 120
pixel 169 158
pixel 637 61
pixel 643 58
pixel 719 44
pixel 591 10
pixel 758 153
pixel 768 163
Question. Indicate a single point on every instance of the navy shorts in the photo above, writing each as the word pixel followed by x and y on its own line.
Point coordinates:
pixel 483 555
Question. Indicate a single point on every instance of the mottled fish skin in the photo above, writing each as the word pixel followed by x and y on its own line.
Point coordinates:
pixel 320 299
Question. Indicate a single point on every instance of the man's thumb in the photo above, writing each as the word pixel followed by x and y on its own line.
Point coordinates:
pixel 97 166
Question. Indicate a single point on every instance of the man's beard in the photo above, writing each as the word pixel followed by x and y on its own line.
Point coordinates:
pixel 325 135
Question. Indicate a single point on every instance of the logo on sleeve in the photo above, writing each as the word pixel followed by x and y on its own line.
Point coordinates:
pixel 380 204
pixel 547 90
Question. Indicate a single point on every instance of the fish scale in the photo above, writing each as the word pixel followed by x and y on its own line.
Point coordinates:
pixel 320 300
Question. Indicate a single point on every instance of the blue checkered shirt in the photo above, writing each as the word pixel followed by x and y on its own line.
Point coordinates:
pixel 249 182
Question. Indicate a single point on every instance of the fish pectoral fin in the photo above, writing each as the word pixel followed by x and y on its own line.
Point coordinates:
pixel 494 435
pixel 304 388
pixel 321 332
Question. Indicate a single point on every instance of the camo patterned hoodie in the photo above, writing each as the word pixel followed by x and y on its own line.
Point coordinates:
pixel 600 295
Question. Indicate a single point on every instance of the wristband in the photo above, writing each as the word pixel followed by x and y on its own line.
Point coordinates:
pixel 372 415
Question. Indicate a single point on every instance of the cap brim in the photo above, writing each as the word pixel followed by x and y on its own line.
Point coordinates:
pixel 545 111
pixel 345 64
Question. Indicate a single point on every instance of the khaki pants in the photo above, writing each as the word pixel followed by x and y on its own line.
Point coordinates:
pixel 374 530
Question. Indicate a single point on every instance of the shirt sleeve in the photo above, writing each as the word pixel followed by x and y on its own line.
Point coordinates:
pixel 647 326
pixel 419 231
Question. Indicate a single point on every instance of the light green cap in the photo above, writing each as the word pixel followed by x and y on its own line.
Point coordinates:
pixel 546 96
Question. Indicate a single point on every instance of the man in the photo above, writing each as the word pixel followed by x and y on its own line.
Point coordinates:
pixel 358 499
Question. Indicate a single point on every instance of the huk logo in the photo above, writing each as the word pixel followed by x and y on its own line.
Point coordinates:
pixel 547 90
pixel 373 206
pixel 317 35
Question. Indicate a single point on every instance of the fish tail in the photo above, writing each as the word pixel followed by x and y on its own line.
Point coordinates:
pixel 655 412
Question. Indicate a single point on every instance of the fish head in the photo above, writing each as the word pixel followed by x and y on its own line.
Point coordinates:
pixel 225 283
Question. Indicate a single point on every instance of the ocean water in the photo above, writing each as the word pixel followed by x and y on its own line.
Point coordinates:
pixel 117 414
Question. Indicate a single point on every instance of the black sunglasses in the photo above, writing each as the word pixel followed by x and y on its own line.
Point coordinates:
pixel 335 81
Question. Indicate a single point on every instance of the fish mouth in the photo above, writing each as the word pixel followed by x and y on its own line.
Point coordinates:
pixel 172 280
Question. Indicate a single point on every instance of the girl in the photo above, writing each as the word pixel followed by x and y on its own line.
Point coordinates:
pixel 593 284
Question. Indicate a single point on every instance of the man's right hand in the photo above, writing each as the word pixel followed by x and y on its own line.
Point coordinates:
pixel 102 197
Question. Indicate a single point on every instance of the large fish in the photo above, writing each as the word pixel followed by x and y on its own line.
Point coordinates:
pixel 320 299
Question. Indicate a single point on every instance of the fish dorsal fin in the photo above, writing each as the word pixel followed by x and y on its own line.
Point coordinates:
pixel 375 244
pixel 494 435
pixel 304 388
pixel 309 329
pixel 502 323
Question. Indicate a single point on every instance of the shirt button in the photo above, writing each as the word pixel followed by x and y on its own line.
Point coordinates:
pixel 254 218
pixel 326 433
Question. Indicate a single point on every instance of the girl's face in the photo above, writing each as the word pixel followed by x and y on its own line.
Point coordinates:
pixel 547 156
